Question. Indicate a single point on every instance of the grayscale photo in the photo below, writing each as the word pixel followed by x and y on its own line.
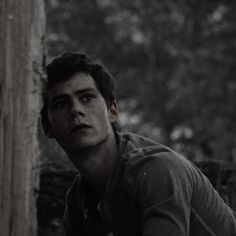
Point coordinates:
pixel 118 118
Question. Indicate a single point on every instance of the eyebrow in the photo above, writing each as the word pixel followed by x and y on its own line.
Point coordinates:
pixel 65 95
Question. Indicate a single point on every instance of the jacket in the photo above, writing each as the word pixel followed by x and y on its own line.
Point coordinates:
pixel 153 191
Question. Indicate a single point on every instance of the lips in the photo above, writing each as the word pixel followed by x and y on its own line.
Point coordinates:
pixel 79 127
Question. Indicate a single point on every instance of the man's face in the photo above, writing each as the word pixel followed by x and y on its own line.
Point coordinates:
pixel 78 115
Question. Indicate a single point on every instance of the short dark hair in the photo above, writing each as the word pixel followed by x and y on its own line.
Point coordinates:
pixel 63 67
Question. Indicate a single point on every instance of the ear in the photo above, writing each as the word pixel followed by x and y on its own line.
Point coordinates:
pixel 46 127
pixel 113 112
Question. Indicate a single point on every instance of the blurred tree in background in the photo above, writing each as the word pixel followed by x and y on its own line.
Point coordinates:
pixel 174 62
pixel 175 65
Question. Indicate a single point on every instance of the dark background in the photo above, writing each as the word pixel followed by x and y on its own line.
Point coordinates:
pixel 175 66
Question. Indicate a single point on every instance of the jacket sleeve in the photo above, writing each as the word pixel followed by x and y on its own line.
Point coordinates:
pixel 168 189
pixel 162 184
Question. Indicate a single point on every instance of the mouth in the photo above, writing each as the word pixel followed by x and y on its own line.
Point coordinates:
pixel 80 127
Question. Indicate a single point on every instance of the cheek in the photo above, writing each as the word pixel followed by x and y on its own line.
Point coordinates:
pixel 104 116
pixel 100 118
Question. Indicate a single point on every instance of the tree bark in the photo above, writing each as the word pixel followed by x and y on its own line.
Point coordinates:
pixel 22 28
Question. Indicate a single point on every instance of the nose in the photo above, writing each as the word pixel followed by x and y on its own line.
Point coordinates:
pixel 76 111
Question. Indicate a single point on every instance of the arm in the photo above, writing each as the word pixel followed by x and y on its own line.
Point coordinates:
pixel 169 188
pixel 163 186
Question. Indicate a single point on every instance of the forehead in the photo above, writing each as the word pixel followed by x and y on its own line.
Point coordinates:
pixel 78 82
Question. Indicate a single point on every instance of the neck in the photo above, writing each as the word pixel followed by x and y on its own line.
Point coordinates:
pixel 96 163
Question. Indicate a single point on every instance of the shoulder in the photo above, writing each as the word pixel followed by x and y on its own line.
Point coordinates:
pixel 132 145
pixel 150 164
pixel 138 151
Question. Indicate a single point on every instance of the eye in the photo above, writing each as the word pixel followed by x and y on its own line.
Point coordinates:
pixel 87 98
pixel 60 104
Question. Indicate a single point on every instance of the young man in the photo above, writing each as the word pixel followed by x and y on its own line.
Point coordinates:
pixel 127 185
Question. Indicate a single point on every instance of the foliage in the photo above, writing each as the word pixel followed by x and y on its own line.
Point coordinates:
pixel 178 54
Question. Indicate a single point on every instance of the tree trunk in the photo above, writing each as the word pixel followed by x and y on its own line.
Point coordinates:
pixel 22 27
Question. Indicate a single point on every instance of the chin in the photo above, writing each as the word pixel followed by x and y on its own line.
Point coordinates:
pixel 86 143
